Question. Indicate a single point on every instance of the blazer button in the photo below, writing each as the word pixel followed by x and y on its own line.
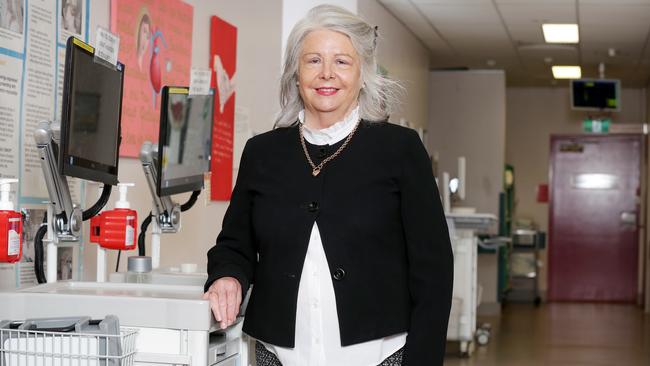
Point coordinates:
pixel 339 274
pixel 312 207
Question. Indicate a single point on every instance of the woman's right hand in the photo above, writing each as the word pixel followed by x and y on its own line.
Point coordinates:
pixel 225 298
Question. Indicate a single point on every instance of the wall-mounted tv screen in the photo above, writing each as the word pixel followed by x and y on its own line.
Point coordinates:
pixel 596 95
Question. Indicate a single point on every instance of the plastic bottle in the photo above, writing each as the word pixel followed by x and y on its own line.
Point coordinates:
pixel 11 226
pixel 116 229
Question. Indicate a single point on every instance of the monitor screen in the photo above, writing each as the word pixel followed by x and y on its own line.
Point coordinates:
pixel 185 140
pixel 91 114
pixel 588 94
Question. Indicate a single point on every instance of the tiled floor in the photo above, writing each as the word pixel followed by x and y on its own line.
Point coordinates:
pixel 564 335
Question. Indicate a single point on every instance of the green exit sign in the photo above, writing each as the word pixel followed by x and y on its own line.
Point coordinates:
pixel 596 125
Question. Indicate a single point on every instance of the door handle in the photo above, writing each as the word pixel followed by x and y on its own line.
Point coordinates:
pixel 628 218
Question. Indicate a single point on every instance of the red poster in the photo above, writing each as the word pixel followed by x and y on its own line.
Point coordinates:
pixel 156 47
pixel 223 61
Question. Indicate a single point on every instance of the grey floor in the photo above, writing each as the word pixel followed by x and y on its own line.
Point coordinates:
pixel 564 335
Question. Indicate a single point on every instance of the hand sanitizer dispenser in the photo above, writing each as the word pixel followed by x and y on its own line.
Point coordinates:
pixel 11 226
pixel 116 229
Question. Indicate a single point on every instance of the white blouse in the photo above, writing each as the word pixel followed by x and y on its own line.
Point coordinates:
pixel 318 341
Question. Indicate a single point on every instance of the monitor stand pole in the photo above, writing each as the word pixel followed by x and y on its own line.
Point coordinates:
pixel 64 219
pixel 166 213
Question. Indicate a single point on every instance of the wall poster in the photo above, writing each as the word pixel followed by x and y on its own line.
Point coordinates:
pixel 156 47
pixel 33 34
pixel 223 61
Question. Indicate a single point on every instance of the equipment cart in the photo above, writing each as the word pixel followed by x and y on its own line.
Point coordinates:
pixel 463 229
pixel 525 265
pixel 174 324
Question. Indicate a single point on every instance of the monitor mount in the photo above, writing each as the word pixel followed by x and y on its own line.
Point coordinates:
pixel 166 215
pixel 64 218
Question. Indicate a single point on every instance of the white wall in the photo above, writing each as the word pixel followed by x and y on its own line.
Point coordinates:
pixel 467 118
pixel 405 58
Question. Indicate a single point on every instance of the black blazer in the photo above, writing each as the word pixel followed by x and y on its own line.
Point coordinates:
pixel 382 227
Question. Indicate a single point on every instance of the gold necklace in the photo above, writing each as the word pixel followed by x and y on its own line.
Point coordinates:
pixel 317 168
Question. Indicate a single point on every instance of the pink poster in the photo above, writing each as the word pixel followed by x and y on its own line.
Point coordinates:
pixel 156 47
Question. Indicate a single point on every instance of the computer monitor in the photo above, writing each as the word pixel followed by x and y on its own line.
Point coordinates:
pixel 185 140
pixel 90 116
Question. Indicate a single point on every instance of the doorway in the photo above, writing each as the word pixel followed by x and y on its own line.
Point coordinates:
pixel 594 209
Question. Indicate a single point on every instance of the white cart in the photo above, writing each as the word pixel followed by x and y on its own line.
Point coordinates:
pixel 175 326
pixel 463 229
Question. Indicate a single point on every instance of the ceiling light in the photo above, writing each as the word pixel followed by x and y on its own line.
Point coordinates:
pixel 567 72
pixel 560 33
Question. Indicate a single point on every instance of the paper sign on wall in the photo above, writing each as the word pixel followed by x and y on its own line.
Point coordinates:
pixel 107 45
pixel 200 81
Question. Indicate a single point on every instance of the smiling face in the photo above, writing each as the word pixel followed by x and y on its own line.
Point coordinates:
pixel 329 76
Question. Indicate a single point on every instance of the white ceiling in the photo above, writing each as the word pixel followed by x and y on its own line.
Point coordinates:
pixel 468 33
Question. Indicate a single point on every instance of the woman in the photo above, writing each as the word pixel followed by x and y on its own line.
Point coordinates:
pixel 143 37
pixel 71 16
pixel 335 218
pixel 11 15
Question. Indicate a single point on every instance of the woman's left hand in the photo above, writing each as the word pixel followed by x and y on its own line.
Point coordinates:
pixel 225 297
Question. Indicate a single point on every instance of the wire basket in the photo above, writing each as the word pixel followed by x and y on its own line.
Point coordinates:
pixel 38 348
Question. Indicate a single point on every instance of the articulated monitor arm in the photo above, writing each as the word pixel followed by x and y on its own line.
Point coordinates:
pixel 68 218
pixel 166 213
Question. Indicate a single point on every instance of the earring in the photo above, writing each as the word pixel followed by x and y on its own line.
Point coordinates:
pixel 297 83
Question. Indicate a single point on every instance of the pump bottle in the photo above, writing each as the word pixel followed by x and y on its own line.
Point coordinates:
pixel 11 226
pixel 116 229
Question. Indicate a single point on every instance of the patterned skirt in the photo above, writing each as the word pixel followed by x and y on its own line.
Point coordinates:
pixel 264 357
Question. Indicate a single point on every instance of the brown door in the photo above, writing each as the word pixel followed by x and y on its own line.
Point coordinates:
pixel 593 215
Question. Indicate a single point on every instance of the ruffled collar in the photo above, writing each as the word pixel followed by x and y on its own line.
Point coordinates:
pixel 333 133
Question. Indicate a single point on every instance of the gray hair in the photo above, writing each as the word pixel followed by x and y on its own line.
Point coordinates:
pixel 379 95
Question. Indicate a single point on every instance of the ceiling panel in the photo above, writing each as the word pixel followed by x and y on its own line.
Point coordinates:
pixel 450 2
pixel 538 13
pixel 524 21
pixel 438 61
pixel 466 24
pixel 614 2
pixel 626 52
pixel 558 55
pixel 416 23
pixel 485 50
pixel 467 33
pixel 630 24
pixel 467 14
pixel 537 2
